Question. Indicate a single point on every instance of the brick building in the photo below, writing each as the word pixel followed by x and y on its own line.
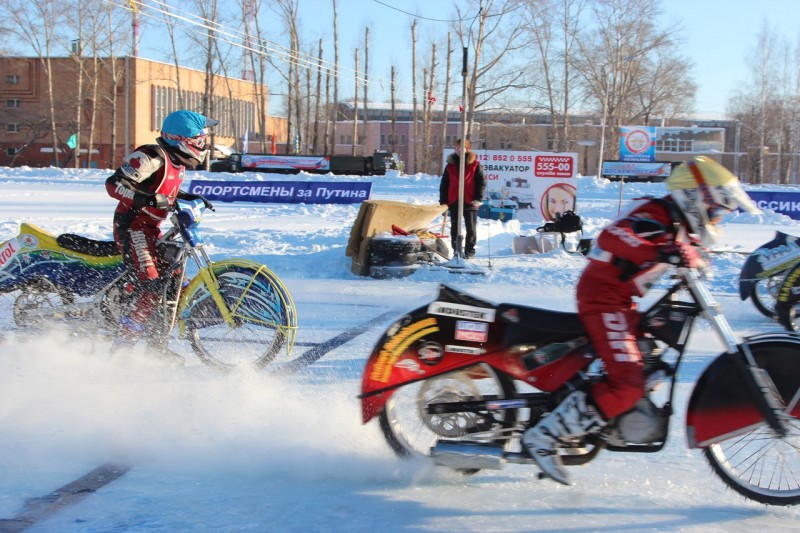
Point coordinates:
pixel 146 91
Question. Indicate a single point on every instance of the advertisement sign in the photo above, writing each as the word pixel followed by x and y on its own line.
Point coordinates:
pixel 283 192
pixel 637 143
pixel 537 184
pixel 253 161
pixel 784 202
pixel 621 168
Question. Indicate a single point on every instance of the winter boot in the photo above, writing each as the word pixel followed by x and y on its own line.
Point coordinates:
pixel 573 417
pixel 129 333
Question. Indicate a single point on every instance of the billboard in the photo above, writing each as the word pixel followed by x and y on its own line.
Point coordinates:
pixel 637 143
pixel 541 184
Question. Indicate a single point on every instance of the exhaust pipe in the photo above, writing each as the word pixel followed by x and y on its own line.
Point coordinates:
pixel 468 455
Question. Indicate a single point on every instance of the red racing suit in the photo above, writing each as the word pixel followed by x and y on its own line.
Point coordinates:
pixel 147 171
pixel 623 265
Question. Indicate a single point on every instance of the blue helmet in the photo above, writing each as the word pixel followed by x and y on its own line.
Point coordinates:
pixel 186 131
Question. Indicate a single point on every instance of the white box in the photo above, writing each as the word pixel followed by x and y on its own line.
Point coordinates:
pixel 536 244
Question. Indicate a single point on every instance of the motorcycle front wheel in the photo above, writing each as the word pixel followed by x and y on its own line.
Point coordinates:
pixel 411 431
pixel 759 464
pixel 263 319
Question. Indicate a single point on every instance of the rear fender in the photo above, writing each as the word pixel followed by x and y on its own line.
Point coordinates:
pixel 455 331
pixel 768 260
pixel 35 254
pixel 720 406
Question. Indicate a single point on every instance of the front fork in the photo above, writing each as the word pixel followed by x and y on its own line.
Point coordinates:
pixel 207 275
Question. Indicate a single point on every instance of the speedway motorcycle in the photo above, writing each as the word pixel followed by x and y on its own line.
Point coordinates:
pixel 765 270
pixel 771 278
pixel 459 380
pixel 231 312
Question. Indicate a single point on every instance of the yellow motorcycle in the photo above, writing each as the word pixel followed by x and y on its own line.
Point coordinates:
pixel 232 312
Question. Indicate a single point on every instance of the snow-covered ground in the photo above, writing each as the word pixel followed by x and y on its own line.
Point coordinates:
pixel 258 451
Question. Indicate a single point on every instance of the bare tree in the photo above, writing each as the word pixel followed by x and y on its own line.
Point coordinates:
pixel 366 86
pixel 446 100
pixel 623 48
pixel 318 93
pixel 757 104
pixel 494 35
pixel 335 77
pixel 355 107
pixel 169 22
pixel 327 111
pixel 414 115
pixel 393 99
pixel 553 27
pixel 37 23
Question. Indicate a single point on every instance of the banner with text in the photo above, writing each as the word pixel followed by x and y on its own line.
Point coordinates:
pixel 541 184
pixel 284 192
pixel 784 202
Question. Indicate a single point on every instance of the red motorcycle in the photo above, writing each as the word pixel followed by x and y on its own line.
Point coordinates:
pixel 460 380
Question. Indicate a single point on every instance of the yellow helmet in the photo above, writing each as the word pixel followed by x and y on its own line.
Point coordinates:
pixel 705 191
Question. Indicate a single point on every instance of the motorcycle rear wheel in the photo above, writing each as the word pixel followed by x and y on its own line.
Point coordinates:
pixel 258 309
pixel 765 294
pixel 411 432
pixel 759 464
pixel 36 299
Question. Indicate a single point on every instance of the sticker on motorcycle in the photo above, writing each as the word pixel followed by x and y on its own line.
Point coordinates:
pixel 410 365
pixel 464 350
pixel 471 331
pixel 28 241
pixel 430 353
pixel 397 344
pixel 461 311
pixel 8 251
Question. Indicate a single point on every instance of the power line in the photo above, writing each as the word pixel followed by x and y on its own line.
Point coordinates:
pixel 200 26
pixel 414 15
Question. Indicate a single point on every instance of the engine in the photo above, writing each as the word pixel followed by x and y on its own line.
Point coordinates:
pixel 644 424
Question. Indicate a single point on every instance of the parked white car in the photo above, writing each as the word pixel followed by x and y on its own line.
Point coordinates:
pixel 497 199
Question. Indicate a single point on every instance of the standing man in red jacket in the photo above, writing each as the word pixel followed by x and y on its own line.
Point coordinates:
pixel 147 184
pixel 474 189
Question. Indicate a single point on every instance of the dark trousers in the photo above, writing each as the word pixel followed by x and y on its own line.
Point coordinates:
pixel 470 223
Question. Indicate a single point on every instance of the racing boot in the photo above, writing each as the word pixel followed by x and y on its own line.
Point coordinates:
pixel 574 417
pixel 129 333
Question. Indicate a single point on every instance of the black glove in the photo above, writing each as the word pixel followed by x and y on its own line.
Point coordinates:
pixel 679 254
pixel 191 197
pixel 158 200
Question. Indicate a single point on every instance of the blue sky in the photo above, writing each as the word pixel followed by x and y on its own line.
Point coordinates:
pixel 718 34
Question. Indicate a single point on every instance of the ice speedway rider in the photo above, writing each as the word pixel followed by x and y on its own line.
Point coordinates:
pixel 147 184
pixel 629 256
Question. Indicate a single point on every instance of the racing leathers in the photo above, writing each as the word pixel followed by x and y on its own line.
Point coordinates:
pixel 625 261
pixel 146 185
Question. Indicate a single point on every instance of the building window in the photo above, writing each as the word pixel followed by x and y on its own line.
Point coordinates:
pixel 12 103
pixel 11 152
pixel 12 128
pixel 674 145
pixel 14 80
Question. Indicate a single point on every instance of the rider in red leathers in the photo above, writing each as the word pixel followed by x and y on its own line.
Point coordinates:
pixel 629 256
pixel 147 184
